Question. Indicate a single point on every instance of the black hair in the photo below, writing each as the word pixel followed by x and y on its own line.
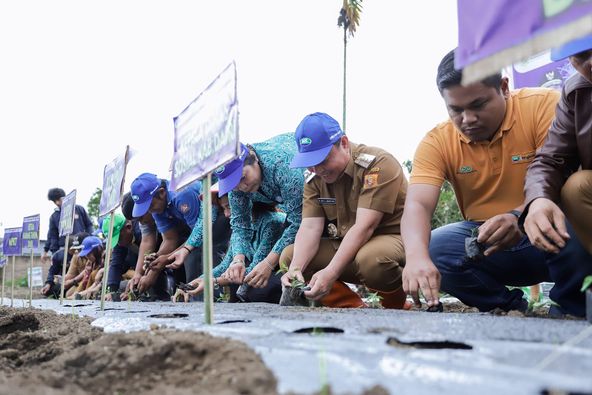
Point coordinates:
pixel 78 237
pixel 127 206
pixel 55 194
pixel 251 156
pixel 259 208
pixel 448 76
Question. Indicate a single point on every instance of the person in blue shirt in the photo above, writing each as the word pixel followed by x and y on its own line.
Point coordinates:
pixel 268 227
pixel 82 223
pixel 261 173
pixel 169 209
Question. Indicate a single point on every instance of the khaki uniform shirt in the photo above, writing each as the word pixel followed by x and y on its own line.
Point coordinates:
pixel 373 179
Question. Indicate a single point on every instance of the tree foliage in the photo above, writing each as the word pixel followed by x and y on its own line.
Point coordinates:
pixel 93 205
pixel 447 210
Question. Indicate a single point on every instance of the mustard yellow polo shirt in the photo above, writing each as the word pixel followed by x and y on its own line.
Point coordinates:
pixel 488 176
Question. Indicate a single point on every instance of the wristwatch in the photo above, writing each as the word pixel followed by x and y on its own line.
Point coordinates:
pixel 515 213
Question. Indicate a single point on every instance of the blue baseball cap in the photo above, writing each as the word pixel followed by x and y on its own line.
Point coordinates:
pixel 315 136
pixel 143 189
pixel 571 48
pixel 230 174
pixel 90 243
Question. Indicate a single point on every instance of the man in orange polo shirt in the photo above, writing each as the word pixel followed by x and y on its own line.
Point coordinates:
pixel 483 150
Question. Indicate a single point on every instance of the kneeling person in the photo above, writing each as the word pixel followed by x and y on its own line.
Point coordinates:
pixel 357 193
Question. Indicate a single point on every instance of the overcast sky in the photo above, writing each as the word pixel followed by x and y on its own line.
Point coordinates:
pixel 79 80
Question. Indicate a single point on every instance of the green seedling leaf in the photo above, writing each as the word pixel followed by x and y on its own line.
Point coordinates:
pixel 283 268
pixel 587 283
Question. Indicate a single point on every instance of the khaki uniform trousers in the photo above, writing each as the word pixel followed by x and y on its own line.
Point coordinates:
pixel 576 199
pixel 378 264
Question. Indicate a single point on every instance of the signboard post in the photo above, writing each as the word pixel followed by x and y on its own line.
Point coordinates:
pixel 31 243
pixel 3 261
pixel 11 245
pixel 490 37
pixel 66 228
pixel 206 137
pixel 113 179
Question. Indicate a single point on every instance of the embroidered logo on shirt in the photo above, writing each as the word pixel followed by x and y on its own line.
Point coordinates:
pixel 327 201
pixel 521 158
pixel 184 208
pixel 465 170
pixel 364 160
pixel 305 141
pixel 374 170
pixel 370 180
pixel 308 175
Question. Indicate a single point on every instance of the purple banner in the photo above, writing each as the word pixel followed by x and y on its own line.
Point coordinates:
pixel 11 244
pixel 3 262
pixel 67 212
pixel 206 132
pixel 541 71
pixel 113 178
pixel 30 235
pixel 494 34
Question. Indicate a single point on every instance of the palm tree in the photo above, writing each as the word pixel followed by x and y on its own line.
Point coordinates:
pixel 349 19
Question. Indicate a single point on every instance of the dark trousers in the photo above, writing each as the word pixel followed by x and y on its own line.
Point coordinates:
pixel 482 282
pixel 220 239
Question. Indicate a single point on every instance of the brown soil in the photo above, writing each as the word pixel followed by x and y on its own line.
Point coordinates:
pixel 45 353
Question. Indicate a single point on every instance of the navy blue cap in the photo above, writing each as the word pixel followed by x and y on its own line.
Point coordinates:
pixel 315 136
pixel 571 48
pixel 143 189
pixel 90 243
pixel 231 173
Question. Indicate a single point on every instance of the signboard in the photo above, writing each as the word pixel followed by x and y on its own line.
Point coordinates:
pixel 37 276
pixel 541 71
pixel 206 132
pixel 495 34
pixel 3 262
pixel 113 178
pixel 11 244
pixel 67 213
pixel 30 235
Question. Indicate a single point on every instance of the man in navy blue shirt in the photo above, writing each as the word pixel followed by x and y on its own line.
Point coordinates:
pixel 169 208
pixel 82 223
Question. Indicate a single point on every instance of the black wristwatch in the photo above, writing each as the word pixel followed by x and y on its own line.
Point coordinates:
pixel 515 213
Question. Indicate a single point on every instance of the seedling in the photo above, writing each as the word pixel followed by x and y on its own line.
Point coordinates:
pixel 587 283
pixel 283 268
pixel 373 300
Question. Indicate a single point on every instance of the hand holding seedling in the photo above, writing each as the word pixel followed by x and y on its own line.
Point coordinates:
pixel 292 274
pixel 235 272
pixel 259 276
pixel 177 258
pixel 499 233
pixel 321 283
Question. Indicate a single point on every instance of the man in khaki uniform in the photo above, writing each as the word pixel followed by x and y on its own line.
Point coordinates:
pixel 354 196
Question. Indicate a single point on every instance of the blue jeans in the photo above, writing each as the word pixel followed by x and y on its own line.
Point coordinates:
pixel 482 283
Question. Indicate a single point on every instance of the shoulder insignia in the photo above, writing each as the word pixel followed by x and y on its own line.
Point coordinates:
pixel 374 170
pixel 364 160
pixel 308 176
pixel 184 208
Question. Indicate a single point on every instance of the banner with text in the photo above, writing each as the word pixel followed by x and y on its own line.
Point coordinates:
pixel 113 179
pixel 495 34
pixel 206 132
pixel 11 244
pixel 67 213
pixel 30 236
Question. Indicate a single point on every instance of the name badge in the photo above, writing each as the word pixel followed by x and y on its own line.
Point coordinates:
pixel 326 201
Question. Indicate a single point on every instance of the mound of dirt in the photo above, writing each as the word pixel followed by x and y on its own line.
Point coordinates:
pixel 45 353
